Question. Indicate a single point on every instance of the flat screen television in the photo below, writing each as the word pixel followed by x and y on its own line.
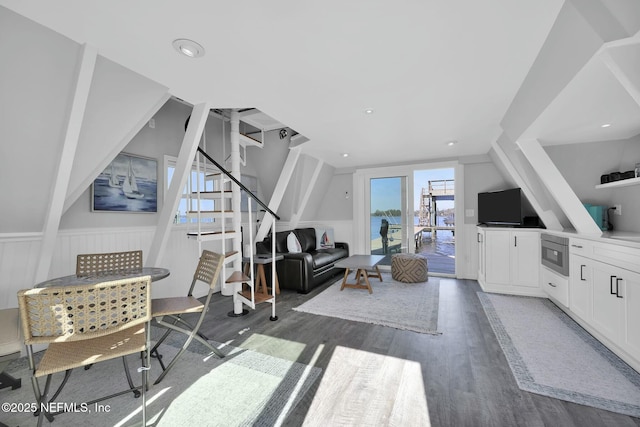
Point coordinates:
pixel 500 207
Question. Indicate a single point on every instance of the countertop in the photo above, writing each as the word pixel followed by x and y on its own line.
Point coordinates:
pixel 623 238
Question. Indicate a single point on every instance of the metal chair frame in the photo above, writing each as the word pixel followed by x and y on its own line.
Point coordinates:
pixel 173 309
pixel 94 322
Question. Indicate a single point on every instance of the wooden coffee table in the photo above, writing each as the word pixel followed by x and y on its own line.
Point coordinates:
pixel 363 264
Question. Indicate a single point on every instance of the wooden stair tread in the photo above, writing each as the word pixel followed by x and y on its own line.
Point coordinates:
pixel 208 233
pixel 212 192
pixel 230 253
pixel 238 277
pixel 258 297
pixel 210 212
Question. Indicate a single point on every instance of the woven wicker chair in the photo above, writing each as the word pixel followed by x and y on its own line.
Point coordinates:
pixel 174 308
pixel 83 325
pixel 95 264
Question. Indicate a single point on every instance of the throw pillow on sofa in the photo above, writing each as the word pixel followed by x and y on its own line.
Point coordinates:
pixel 324 238
pixel 293 245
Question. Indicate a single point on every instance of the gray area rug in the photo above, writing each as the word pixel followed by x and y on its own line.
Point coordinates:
pixel 246 388
pixel 551 355
pixel 408 306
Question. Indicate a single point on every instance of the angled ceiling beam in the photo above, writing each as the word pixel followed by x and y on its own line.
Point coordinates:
pixel 559 188
pixel 295 219
pixel 626 76
pixel 186 155
pixel 104 161
pixel 547 216
pixel 86 67
pixel 278 192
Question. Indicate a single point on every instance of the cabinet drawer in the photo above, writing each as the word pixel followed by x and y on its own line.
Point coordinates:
pixel 555 286
pixel 620 256
pixel 581 247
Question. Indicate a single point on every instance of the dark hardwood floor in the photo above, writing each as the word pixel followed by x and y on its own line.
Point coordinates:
pixel 467 379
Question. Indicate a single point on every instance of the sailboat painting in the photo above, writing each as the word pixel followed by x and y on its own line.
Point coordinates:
pixel 128 184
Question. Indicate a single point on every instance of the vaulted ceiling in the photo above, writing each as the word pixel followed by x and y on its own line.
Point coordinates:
pixel 431 71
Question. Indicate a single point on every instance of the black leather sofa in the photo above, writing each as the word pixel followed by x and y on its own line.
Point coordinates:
pixel 305 270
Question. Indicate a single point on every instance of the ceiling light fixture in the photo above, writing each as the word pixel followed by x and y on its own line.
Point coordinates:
pixel 345 154
pixel 451 143
pixel 368 111
pixel 606 125
pixel 188 48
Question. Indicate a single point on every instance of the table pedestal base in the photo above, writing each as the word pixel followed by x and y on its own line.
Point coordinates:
pixel 360 273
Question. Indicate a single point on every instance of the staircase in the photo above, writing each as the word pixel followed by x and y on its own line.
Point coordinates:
pixel 219 218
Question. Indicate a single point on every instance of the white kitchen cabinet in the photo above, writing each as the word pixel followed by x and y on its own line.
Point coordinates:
pixel 631 339
pixel 608 306
pixel 509 261
pixel 497 257
pixel 524 258
pixel 555 285
pixel 616 306
pixel 480 236
pixel 581 286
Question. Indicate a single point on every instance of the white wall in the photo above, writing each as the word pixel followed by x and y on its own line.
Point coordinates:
pixel 582 165
pixel 36 81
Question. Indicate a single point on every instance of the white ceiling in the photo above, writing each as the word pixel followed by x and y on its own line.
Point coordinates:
pixel 432 71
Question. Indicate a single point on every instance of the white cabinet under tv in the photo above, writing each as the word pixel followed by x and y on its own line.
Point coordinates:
pixel 509 260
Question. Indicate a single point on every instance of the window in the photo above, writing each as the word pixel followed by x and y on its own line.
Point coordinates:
pixel 199 180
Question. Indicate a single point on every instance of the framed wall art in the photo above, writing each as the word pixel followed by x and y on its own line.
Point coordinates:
pixel 128 184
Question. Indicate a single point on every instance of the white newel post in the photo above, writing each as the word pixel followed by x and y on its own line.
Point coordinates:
pixel 235 205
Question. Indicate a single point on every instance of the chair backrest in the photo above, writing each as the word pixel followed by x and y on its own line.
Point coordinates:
pixel 74 313
pixel 94 264
pixel 209 268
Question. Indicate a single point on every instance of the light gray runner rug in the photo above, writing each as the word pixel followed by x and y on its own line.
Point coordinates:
pixel 246 388
pixel 551 355
pixel 409 306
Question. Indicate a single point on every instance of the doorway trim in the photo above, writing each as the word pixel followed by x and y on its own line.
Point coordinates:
pixel 362 200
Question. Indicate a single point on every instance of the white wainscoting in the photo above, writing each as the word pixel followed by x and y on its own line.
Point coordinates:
pixel 342 229
pixel 19 254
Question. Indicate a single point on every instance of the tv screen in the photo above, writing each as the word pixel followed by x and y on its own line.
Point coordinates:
pixel 500 207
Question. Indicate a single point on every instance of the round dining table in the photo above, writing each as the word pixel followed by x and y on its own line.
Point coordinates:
pixel 156 273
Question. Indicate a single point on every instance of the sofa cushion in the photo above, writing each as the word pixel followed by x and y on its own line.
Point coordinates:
pixel 324 238
pixel 293 245
pixel 307 238
pixel 324 257
pixel 281 242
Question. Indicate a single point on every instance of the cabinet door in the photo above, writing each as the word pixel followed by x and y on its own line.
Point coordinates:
pixel 580 286
pixel 525 258
pixel 497 261
pixel 608 309
pixel 631 296
pixel 481 254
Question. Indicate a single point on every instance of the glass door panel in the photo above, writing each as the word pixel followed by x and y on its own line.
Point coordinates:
pixel 388 217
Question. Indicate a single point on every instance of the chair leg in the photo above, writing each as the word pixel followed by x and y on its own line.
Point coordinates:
pixel 136 393
pixel 43 400
pixel 146 365
pixel 67 374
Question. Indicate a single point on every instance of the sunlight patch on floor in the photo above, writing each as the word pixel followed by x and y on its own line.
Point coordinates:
pixel 276 347
pixel 364 388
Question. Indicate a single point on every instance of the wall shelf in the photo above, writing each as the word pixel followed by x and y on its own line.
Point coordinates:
pixel 621 183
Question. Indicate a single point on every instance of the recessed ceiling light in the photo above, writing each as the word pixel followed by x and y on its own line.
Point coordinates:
pixel 188 48
pixel 606 125
pixel 345 154
pixel 368 111
pixel 451 143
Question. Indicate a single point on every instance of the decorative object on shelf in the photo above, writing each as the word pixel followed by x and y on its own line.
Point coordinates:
pixel 128 184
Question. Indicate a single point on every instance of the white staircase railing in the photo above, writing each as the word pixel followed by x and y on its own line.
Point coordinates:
pixel 242 284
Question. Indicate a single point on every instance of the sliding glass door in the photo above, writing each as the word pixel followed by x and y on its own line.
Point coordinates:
pixel 388 225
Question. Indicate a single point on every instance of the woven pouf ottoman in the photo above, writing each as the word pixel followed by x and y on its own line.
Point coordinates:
pixel 409 268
